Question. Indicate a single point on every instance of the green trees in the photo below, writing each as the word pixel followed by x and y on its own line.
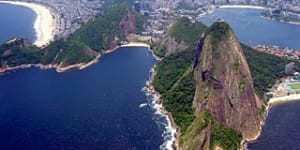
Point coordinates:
pixel 265 69
pixel 183 30
pixel 97 36
pixel 226 138
pixel 175 81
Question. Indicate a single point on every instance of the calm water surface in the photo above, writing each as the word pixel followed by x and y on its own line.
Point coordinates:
pixel 98 108
pixel 251 29
pixel 95 108
pixel 16 21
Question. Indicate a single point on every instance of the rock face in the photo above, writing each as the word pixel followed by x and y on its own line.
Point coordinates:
pixel 128 24
pixel 224 85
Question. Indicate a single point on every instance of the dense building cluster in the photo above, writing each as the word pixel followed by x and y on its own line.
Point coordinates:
pixel 71 14
pixel 161 13
pixel 289 53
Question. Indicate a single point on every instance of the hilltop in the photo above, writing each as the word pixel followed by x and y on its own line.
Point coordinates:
pixel 215 89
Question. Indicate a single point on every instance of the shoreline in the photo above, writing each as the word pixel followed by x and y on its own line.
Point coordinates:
pixel 281 21
pixel 79 66
pixel 170 128
pixel 270 104
pixel 242 6
pixel 135 44
pixel 45 21
pixel 260 8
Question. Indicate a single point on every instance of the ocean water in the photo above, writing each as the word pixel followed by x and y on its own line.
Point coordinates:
pixel 104 106
pixel 281 130
pixel 96 108
pixel 252 30
pixel 16 21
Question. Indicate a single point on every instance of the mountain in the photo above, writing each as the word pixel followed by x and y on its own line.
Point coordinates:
pixel 209 89
pixel 224 85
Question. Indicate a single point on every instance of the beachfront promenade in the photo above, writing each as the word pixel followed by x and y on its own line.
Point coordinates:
pixel 282 99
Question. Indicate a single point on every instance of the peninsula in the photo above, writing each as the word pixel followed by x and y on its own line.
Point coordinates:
pixel 213 102
pixel 82 48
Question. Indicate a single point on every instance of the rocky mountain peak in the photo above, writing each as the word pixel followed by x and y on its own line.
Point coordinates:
pixel 224 85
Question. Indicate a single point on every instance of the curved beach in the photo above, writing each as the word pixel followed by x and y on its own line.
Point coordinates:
pixel 44 24
pixel 242 6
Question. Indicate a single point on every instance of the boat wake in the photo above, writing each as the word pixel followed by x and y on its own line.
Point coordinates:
pixel 143 105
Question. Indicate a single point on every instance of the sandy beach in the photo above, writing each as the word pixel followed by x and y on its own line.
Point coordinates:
pixel 242 6
pixel 44 24
pixel 271 102
pixel 283 99
pixel 136 44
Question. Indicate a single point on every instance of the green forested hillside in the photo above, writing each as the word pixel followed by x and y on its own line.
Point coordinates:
pixel 174 80
pixel 81 47
pixel 183 30
pixel 265 68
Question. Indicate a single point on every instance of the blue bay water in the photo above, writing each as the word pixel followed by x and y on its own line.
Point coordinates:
pixel 16 21
pixel 281 130
pixel 95 108
pixel 98 108
pixel 252 30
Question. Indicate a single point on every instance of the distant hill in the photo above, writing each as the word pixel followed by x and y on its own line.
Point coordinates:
pixel 182 35
pixel 92 39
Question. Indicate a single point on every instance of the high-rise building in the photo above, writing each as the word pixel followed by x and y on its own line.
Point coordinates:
pixel 137 6
pixel 289 68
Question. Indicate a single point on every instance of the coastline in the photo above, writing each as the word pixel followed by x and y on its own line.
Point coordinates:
pixel 172 130
pixel 45 22
pixel 243 6
pixel 260 8
pixel 271 102
pixel 79 66
pixel 282 21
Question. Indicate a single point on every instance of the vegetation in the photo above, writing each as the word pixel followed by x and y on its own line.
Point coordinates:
pixel 221 136
pixel 191 137
pixel 12 54
pixel 187 31
pixel 219 31
pixel 98 34
pixel 227 138
pixel 170 69
pixel 265 69
pixel 175 81
pixel 183 30
pixel 295 86
pixel 81 47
